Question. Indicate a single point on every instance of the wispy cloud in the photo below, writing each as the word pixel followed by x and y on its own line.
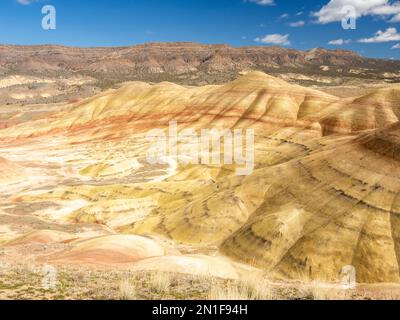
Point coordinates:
pixel 26 2
pixel 262 2
pixel 297 24
pixel 339 42
pixel 284 16
pixel 396 46
pixel 390 34
pixel 278 39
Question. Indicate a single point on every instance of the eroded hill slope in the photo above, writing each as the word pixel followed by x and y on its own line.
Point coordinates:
pixel 323 193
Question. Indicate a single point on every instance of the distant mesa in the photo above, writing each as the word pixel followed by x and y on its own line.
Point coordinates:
pixel 181 61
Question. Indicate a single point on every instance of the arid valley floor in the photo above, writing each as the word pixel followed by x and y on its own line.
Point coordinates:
pixel 81 207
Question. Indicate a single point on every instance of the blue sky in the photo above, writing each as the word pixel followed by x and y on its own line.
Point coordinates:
pixel 294 24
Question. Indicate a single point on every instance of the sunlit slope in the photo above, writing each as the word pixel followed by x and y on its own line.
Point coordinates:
pixel 253 99
pixel 10 172
pixel 337 207
pixel 304 218
pixel 323 193
pixel 375 110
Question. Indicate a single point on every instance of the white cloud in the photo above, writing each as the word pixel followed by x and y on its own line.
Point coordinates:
pixel 262 2
pixel 278 39
pixel 332 11
pixel 396 46
pixel 339 42
pixel 390 34
pixel 297 24
pixel 299 13
pixel 284 16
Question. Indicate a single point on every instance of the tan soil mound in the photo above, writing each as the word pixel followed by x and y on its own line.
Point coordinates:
pixel 10 172
pixel 115 249
pixel 41 237
pixel 194 265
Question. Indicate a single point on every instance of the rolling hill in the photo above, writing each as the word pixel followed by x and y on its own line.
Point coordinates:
pixel 323 193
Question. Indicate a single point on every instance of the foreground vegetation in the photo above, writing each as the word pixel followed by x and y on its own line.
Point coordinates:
pixel 25 282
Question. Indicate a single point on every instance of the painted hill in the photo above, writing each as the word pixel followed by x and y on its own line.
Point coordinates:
pixel 323 193
pixel 10 173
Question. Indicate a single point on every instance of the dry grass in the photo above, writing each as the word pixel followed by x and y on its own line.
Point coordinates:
pixel 160 282
pixel 228 292
pixel 321 291
pixel 25 282
pixel 384 296
pixel 253 286
pixel 127 290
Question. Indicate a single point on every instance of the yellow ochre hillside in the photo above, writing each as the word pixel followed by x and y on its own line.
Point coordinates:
pixel 324 192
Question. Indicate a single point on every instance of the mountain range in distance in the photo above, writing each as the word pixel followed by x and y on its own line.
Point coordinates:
pixel 195 64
